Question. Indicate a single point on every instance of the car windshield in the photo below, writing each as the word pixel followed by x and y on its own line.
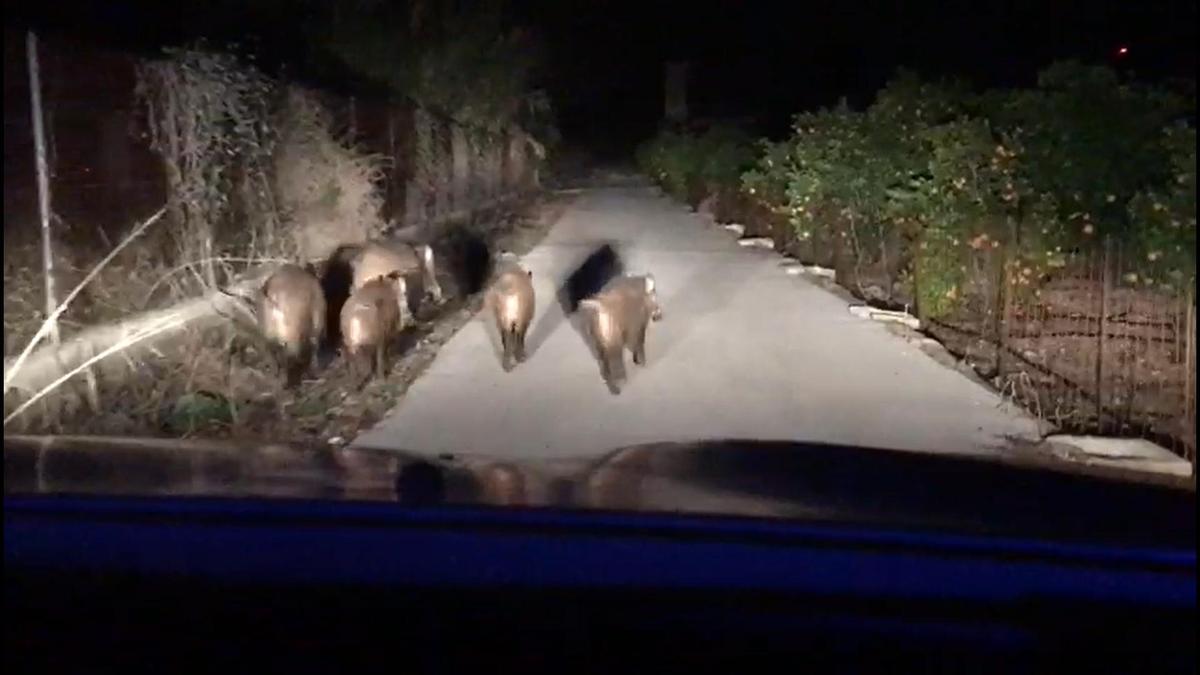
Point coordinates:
pixel 321 247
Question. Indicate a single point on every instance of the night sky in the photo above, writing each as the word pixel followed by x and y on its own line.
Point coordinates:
pixel 769 61
pixel 758 59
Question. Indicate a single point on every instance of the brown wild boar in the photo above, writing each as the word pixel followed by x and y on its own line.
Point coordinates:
pixel 512 303
pixel 291 314
pixel 414 261
pixel 617 318
pixel 371 318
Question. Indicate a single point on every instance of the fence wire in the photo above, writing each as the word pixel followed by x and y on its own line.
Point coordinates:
pixel 105 176
pixel 1097 347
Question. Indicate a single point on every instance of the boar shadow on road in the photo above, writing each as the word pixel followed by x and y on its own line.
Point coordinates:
pixel 586 279
pixel 470 264
pixel 468 261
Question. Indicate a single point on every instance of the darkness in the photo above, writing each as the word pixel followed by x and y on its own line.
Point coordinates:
pixel 755 60
pixel 769 61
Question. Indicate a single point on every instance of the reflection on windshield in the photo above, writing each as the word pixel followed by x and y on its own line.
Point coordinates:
pixel 772 480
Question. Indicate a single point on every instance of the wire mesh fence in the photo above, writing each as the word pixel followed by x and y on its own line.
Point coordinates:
pixel 104 174
pixel 395 164
pixel 437 169
pixel 1099 346
pixel 1104 342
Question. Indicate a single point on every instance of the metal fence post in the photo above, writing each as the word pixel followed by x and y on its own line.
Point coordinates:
pixel 1105 281
pixel 1189 391
pixel 43 178
pixel 1003 307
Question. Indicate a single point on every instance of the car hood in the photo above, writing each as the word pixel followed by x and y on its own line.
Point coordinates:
pixel 762 479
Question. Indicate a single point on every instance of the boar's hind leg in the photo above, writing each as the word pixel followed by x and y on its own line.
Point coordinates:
pixel 295 372
pixel 381 361
pixel 360 369
pixel 639 344
pixel 614 358
pixel 606 371
pixel 519 334
pixel 278 357
pixel 308 355
pixel 289 367
pixel 506 342
pixel 619 365
pixel 604 357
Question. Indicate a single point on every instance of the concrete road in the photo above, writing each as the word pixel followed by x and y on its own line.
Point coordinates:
pixel 744 351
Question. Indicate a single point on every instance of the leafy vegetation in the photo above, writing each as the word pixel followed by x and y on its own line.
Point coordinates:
pixel 688 164
pixel 209 116
pixel 1091 139
pixel 460 59
pixel 1163 217
pixel 932 187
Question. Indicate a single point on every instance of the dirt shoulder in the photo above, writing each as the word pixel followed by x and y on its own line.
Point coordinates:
pixel 219 382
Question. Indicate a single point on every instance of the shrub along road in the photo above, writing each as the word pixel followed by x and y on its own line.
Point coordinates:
pixel 743 351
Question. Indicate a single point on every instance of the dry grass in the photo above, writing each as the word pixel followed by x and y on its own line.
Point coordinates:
pixel 118 290
pixel 328 192
pixel 222 382
pixel 24 296
pixel 310 194
pixel 135 279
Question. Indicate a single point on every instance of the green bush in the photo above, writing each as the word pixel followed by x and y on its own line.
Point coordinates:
pixel 684 163
pixel 464 60
pixel 766 182
pixel 853 178
pixel 668 159
pixel 724 154
pixel 1091 139
pixel 1164 217
pixel 1030 174
pixel 933 185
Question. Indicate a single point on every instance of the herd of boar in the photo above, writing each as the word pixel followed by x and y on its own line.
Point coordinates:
pixel 389 280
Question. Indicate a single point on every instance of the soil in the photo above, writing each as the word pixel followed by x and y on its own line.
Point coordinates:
pixel 1049 362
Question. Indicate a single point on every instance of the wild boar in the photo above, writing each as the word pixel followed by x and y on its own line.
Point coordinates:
pixel 511 299
pixel 617 318
pixel 371 319
pixel 414 261
pixel 291 315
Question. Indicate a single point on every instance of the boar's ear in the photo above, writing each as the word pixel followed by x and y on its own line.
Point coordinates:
pixel 649 283
pixel 427 253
